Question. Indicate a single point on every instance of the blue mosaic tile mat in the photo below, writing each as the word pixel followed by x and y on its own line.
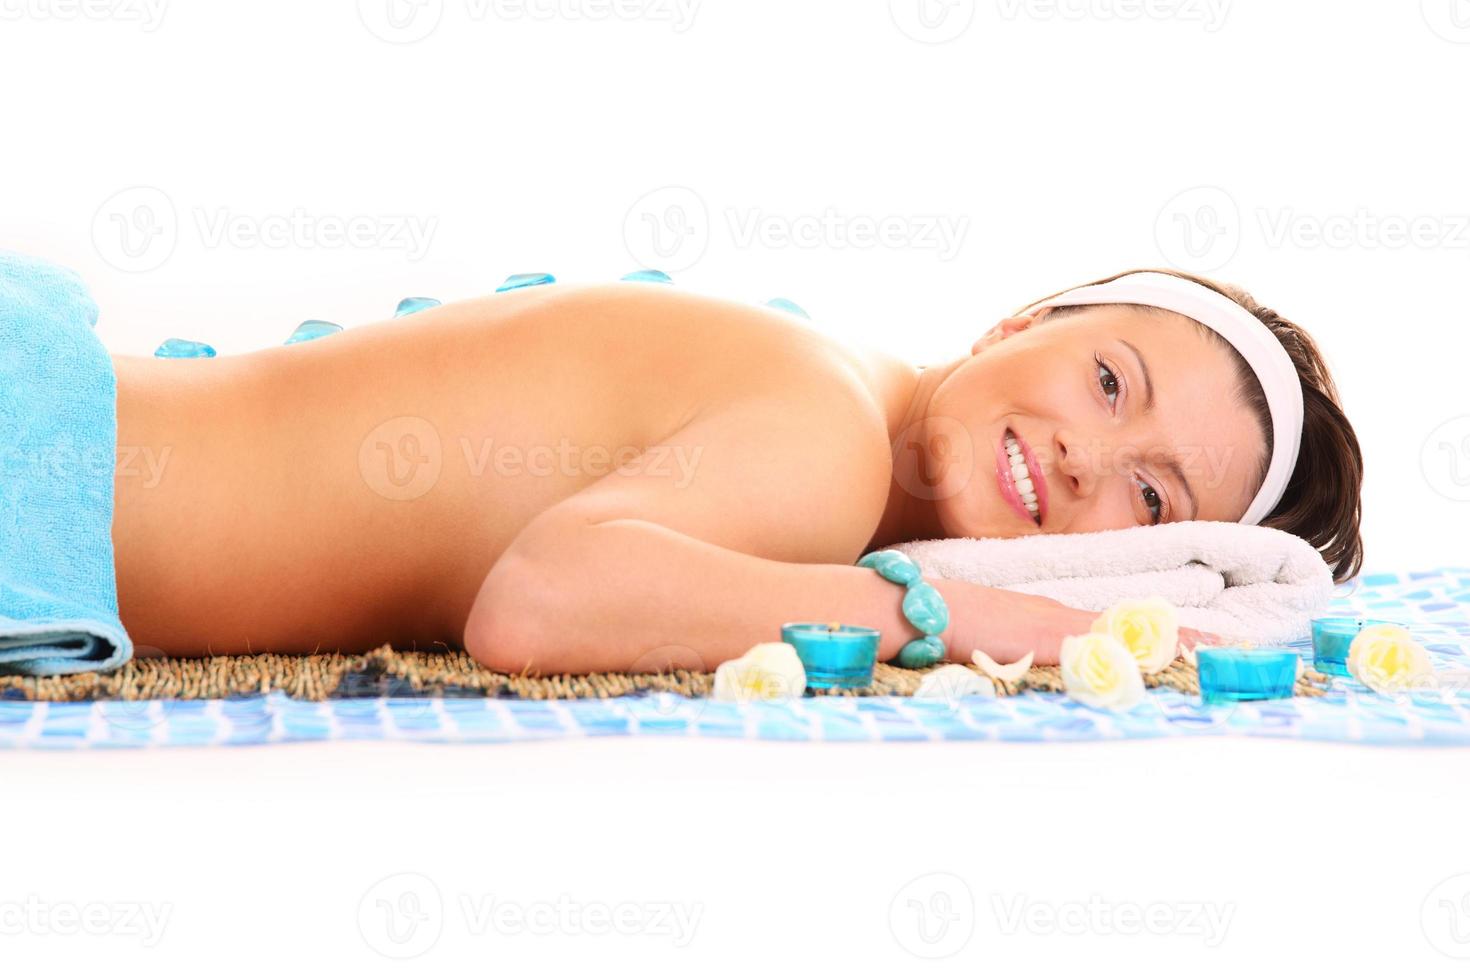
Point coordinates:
pixel 1435 605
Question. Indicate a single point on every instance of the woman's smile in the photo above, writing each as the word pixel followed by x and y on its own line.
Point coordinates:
pixel 1020 477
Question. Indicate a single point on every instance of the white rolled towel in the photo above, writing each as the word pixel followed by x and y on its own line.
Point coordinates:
pixel 1246 583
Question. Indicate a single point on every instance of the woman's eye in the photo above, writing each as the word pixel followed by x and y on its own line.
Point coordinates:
pixel 1108 382
pixel 1152 501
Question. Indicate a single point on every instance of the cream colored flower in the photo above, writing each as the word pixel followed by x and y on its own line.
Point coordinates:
pixel 1148 628
pixel 765 671
pixel 1386 659
pixel 954 681
pixel 1099 671
pixel 1010 673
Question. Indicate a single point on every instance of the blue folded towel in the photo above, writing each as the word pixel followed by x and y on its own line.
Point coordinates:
pixel 58 439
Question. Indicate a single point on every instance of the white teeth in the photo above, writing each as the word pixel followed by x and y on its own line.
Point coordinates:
pixel 1024 485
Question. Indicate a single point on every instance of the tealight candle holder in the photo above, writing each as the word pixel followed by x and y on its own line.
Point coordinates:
pixel 1231 674
pixel 1332 636
pixel 834 655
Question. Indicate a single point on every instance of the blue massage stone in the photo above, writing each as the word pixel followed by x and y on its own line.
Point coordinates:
pixel 786 306
pixel 413 304
pixel 311 330
pixel 647 275
pixel 923 652
pixel 174 347
pixel 924 607
pixel 895 566
pixel 523 279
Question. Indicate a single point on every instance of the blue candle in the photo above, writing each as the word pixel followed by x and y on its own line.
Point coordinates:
pixel 1231 674
pixel 832 654
pixel 1331 638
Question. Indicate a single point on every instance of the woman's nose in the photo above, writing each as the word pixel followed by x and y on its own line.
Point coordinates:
pixel 1075 464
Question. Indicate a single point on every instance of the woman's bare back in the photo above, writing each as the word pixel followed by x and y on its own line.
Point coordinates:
pixel 356 490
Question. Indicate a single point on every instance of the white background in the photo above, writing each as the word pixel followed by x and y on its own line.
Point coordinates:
pixel 192 159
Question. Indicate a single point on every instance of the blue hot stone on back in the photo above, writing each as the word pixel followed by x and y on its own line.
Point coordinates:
pixel 647 275
pixel 786 306
pixel 311 330
pixel 523 279
pixel 924 607
pixel 895 566
pixel 174 347
pixel 413 304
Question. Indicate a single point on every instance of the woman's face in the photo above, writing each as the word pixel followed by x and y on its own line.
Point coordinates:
pixel 1091 419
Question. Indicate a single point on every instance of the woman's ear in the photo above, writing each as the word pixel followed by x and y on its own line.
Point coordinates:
pixel 1008 327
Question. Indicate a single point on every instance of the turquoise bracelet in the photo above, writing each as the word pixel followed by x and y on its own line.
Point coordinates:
pixel 923 606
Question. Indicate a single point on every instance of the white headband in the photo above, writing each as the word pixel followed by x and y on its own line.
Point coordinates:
pixel 1248 335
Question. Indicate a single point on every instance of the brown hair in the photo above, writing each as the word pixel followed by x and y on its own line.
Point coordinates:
pixel 1323 498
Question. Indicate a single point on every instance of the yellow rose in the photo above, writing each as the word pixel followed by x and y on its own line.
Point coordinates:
pixel 1386 659
pixel 1100 672
pixel 766 671
pixel 1148 628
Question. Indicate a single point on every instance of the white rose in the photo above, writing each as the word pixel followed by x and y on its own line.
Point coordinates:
pixel 1100 672
pixel 766 671
pixel 1149 628
pixel 1386 659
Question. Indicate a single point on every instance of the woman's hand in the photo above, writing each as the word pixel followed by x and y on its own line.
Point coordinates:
pixel 1008 625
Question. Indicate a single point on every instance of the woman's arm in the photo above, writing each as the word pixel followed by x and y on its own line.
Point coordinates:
pixel 578 597
pixel 637 570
